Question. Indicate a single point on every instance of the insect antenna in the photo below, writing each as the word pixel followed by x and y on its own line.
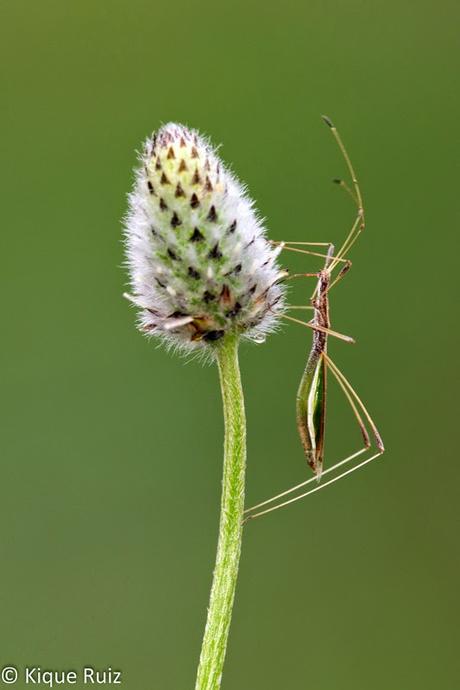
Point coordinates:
pixel 359 224
pixel 343 184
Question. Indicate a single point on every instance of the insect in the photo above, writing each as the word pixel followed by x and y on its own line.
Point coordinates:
pixel 312 391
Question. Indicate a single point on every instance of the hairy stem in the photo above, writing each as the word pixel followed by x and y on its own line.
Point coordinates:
pixel 231 517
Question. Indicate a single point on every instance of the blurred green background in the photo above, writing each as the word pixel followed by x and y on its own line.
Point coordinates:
pixel 111 449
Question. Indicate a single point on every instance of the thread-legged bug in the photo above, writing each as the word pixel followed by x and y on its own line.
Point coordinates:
pixel 312 391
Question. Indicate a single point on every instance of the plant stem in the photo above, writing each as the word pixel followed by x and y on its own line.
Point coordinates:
pixel 231 519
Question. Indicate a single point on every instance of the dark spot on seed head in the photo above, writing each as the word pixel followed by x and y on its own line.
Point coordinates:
pixel 264 294
pixel 212 215
pixel 175 220
pixel 196 179
pixel 208 296
pixel 206 165
pixel 164 137
pixel 179 190
pixel 182 166
pixel 163 204
pixel 194 153
pixel 164 179
pixel 193 273
pixel 225 294
pixel 208 186
pixel 158 164
pixel 153 312
pixel 150 186
pixel 171 153
pixel 237 269
pixel 232 227
pixel 194 201
pixel 253 289
pixel 235 311
pixel 196 236
pixel 160 283
pixel 212 336
pixel 182 142
pixel 172 255
pixel 215 252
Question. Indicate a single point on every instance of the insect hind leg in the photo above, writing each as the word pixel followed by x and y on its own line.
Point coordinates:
pixel 251 514
pixel 359 411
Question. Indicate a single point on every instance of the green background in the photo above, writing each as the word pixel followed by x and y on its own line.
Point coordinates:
pixel 111 448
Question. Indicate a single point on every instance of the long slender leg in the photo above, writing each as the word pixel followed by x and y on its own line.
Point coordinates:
pixel 339 375
pixel 286 247
pixel 292 489
pixel 309 244
pixel 291 276
pixel 300 306
pixel 364 432
pixel 315 327
pixel 317 488
pixel 352 397
pixel 343 272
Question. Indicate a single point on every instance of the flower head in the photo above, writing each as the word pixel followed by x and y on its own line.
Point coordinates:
pixel 200 264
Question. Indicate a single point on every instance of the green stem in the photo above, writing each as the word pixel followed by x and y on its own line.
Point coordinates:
pixel 231 518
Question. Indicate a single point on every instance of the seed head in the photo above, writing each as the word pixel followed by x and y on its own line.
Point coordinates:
pixel 200 265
